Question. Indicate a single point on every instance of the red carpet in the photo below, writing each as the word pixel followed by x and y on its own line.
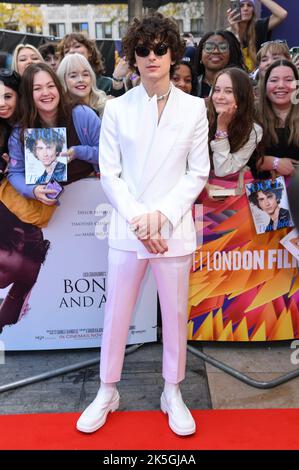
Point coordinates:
pixel 216 429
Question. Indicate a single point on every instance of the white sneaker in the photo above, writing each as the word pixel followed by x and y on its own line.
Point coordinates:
pixel 180 419
pixel 95 415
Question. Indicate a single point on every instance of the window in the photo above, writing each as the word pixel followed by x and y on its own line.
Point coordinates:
pixel 122 28
pixel 31 29
pixel 11 25
pixel 57 29
pixel 197 26
pixel 80 28
pixel 180 24
pixel 103 30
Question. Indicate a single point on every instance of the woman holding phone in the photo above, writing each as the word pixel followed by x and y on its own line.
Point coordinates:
pixel 252 33
pixel 26 209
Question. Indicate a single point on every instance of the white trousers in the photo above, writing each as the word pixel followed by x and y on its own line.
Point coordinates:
pixel 125 274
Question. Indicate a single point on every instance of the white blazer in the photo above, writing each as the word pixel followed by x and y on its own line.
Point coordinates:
pixel 147 166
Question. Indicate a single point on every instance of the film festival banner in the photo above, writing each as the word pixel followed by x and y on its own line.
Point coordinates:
pixel 64 308
pixel 245 283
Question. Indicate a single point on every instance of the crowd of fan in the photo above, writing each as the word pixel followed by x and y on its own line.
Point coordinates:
pixel 248 82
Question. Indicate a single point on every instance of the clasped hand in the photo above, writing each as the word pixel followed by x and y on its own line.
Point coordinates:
pixel 147 228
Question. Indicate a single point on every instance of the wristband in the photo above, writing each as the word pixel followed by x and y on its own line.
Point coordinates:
pixel 117 79
pixel 275 163
pixel 221 134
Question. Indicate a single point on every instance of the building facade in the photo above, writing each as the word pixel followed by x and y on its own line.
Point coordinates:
pixel 110 21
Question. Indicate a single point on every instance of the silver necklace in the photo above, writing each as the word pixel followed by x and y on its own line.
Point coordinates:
pixel 162 97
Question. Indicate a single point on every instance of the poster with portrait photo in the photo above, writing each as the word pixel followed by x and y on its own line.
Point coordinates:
pixel 44 159
pixel 269 205
pixel 291 243
pixel 53 298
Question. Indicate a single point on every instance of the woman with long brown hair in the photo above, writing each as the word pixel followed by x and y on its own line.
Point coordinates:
pixel 278 112
pixel 252 33
pixel 233 134
pixel 43 105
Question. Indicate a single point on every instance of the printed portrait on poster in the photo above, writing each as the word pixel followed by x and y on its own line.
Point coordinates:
pixel 45 155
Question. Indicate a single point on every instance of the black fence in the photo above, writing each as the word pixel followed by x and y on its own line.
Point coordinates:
pixel 10 39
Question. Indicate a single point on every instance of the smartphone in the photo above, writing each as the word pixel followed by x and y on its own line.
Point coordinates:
pixel 3 164
pixel 235 5
pixel 53 184
pixel 294 51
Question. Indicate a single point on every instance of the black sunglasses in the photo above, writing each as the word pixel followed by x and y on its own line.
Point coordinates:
pixel 159 49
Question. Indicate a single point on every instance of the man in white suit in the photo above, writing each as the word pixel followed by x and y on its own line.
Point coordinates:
pixel 154 163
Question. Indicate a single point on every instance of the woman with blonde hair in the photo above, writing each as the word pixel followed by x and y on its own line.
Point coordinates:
pixel 252 33
pixel 269 53
pixel 24 55
pixel 79 82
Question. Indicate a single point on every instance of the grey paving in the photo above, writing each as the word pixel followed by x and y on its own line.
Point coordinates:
pixel 140 387
pixel 204 387
pixel 260 361
pixel 254 357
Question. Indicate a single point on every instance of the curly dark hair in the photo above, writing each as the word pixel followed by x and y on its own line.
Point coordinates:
pixel 150 28
pixel 95 57
pixel 48 136
pixel 265 187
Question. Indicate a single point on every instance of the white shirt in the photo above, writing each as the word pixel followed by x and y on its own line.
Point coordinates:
pixel 225 162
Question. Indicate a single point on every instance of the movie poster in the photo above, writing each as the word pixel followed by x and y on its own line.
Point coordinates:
pixel 55 298
pixel 244 285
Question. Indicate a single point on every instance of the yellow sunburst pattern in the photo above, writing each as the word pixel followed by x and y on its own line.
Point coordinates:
pixel 245 287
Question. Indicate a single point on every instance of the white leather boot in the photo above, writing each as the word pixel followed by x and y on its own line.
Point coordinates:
pixel 180 419
pixel 95 415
